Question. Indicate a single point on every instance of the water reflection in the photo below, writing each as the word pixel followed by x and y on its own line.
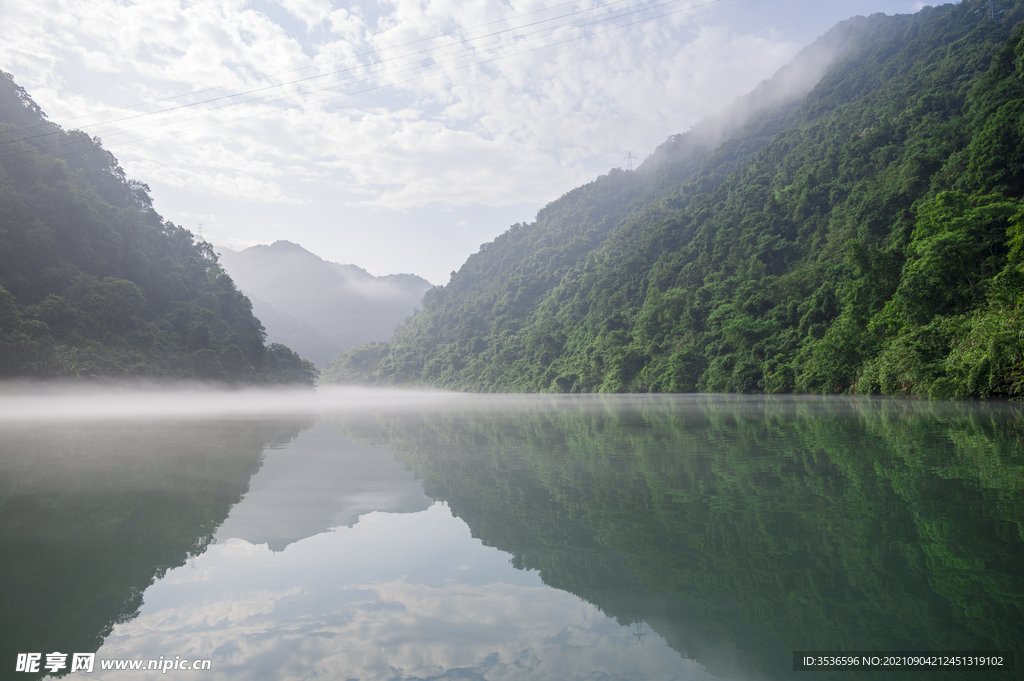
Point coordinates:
pixel 742 529
pixel 91 515
pixel 397 596
pixel 499 538
pixel 319 482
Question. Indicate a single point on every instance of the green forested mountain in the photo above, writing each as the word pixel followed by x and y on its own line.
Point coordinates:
pixel 861 236
pixel 93 282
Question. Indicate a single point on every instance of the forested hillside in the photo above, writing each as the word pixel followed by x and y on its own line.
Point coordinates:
pixel 93 282
pixel 864 237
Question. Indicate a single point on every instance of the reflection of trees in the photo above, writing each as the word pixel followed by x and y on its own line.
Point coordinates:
pixel 771 525
pixel 91 515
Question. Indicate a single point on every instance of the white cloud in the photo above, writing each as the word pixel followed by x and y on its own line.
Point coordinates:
pixel 310 11
pixel 554 116
pixel 388 129
pixel 244 187
pixel 347 25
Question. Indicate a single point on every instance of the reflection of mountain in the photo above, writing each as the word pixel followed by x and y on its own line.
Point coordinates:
pixel 91 514
pixel 321 481
pixel 320 308
pixel 743 531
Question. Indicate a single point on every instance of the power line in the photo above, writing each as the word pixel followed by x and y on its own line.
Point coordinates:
pixel 469 49
pixel 304 68
pixel 71 142
pixel 412 67
pixel 449 71
pixel 314 77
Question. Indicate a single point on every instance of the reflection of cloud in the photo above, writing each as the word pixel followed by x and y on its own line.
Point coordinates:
pixel 228 612
pixel 185 576
pixel 397 596
pixel 404 630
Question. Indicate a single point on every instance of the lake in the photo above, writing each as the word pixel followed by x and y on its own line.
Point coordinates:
pixel 375 535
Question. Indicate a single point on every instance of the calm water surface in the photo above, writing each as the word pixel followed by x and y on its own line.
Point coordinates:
pixel 370 536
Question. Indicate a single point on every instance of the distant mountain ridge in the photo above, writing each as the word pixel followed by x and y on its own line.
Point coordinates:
pixel 317 307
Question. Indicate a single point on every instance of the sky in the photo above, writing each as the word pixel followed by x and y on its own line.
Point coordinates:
pixel 397 135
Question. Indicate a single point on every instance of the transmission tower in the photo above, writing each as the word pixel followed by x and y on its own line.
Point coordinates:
pixel 629 160
pixel 993 14
pixel 639 633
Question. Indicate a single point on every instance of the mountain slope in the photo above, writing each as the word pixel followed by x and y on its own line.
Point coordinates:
pixel 330 307
pixel 848 241
pixel 93 282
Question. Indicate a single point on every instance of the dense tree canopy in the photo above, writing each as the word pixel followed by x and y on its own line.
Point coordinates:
pixel 862 238
pixel 93 282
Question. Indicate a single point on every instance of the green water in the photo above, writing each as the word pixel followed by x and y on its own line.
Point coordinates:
pixel 503 538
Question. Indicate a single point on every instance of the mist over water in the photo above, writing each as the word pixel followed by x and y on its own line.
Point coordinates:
pixel 114 401
pixel 29 402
